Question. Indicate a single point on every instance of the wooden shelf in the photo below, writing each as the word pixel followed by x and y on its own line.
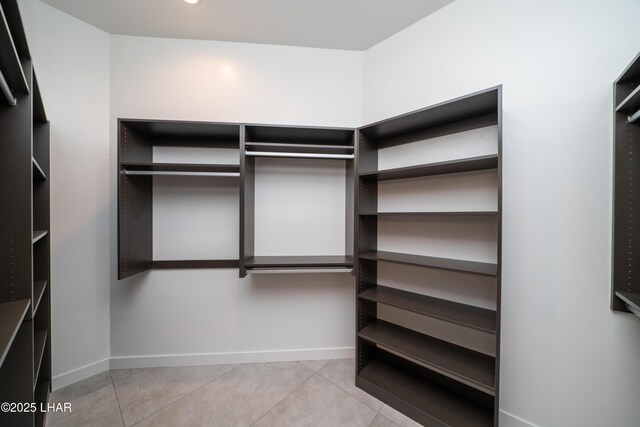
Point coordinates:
pixel 299 135
pixel 39 113
pixel 11 316
pixel 177 264
pixel 468 316
pixel 39 344
pixel 631 103
pixel 322 261
pixel 472 267
pixel 179 167
pixel 39 234
pixel 632 300
pixel 38 291
pixel 10 63
pixel 466 366
pixel 38 173
pixel 472 164
pixel 277 147
pixel 428 214
pixel 427 402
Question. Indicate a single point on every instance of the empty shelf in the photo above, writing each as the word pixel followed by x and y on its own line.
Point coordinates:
pixel 631 103
pixel 39 234
pixel 38 173
pixel 427 402
pixel 180 169
pixel 452 166
pixel 473 267
pixel 632 300
pixel 38 291
pixel 466 366
pixel 39 344
pixel 300 148
pixel 419 214
pixel 464 315
pixel 213 263
pixel 10 64
pixel 11 317
pixel 315 261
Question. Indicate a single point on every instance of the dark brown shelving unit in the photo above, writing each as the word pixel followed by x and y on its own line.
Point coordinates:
pixel 435 381
pixel 25 342
pixel 331 144
pixel 136 170
pixel 625 289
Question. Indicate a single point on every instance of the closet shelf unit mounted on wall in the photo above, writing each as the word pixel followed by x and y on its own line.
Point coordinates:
pixel 138 140
pixel 25 286
pixel 286 142
pixel 430 374
pixel 625 289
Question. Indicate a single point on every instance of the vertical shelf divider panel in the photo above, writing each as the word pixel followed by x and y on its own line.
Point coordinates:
pixel 434 381
pixel 24 209
pixel 625 289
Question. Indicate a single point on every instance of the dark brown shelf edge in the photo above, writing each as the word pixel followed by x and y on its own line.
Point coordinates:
pixel 443 213
pixel 179 167
pixel 298 145
pixel 41 396
pixel 39 234
pixel 631 102
pixel 482 319
pixel 39 344
pixel 39 113
pixel 311 261
pixel 12 314
pixel 13 72
pixel 178 264
pixel 470 164
pixel 632 301
pixel 447 264
pixel 37 170
pixel 38 292
pixel 406 403
pixel 389 336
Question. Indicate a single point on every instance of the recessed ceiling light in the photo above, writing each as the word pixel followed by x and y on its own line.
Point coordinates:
pixel 191 1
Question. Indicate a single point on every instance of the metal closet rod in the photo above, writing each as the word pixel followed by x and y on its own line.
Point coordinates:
pixel 176 173
pixel 634 117
pixel 299 155
pixel 7 91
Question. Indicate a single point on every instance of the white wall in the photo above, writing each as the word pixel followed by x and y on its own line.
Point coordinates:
pixel 72 64
pixel 567 360
pixel 209 316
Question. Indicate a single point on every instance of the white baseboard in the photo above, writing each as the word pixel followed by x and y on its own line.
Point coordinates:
pixel 510 420
pixel 165 360
pixel 84 372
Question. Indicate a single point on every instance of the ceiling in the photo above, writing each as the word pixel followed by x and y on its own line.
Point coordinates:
pixel 335 24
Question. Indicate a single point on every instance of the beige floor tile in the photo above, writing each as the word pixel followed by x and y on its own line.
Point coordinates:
pixel 314 365
pixel 120 374
pixel 238 398
pixel 152 389
pixel 397 417
pixel 342 373
pixel 318 403
pixel 382 421
pixel 96 409
pixel 81 388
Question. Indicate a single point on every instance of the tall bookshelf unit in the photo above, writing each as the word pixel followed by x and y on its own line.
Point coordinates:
pixel 433 380
pixel 25 279
pixel 625 289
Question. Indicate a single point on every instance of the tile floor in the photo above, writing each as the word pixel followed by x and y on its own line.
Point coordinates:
pixel 307 393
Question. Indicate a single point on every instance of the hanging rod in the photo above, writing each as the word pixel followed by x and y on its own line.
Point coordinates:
pixel 297 270
pixel 299 155
pixel 4 86
pixel 176 173
pixel 632 118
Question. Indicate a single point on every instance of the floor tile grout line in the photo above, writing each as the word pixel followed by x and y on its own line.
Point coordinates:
pixel 377 410
pixel 115 392
pixel 285 398
pixel 185 396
